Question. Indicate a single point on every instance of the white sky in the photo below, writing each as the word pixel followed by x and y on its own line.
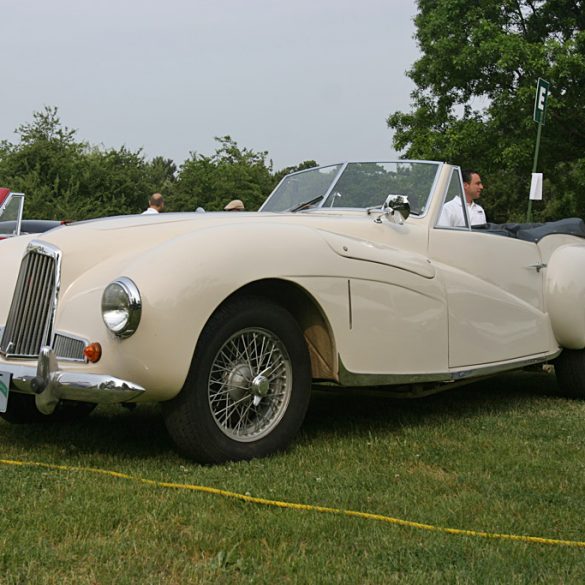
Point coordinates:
pixel 300 79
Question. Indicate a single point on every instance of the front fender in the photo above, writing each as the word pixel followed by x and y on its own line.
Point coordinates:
pixel 182 282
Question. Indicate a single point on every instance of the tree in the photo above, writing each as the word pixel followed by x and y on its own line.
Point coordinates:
pixel 307 164
pixel 64 178
pixel 46 164
pixel 474 96
pixel 162 174
pixel 114 182
pixel 230 173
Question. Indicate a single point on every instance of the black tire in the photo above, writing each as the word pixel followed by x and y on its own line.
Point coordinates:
pixel 22 410
pixel 570 372
pixel 248 388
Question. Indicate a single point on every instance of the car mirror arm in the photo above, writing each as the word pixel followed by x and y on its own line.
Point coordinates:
pixel 395 208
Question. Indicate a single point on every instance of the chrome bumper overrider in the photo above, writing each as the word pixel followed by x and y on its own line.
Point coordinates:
pixel 49 384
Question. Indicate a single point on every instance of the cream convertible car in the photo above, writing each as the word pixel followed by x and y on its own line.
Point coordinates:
pixel 227 319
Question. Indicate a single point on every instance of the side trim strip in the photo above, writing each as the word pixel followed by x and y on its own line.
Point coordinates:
pixel 347 378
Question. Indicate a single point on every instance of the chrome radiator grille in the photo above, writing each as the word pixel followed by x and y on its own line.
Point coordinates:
pixel 30 319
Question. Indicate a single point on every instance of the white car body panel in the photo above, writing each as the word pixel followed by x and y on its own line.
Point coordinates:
pixel 495 298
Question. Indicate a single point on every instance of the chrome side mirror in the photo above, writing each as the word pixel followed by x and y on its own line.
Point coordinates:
pixel 395 208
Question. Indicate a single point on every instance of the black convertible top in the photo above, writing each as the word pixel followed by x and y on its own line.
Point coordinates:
pixel 534 232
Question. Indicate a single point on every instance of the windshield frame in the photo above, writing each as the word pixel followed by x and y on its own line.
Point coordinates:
pixel 14 204
pixel 340 171
pixel 320 204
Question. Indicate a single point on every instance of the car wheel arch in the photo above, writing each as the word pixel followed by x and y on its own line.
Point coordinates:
pixel 309 315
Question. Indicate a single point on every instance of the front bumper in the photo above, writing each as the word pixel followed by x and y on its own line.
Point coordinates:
pixel 50 385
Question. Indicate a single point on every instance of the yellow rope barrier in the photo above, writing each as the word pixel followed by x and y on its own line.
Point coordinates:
pixel 305 507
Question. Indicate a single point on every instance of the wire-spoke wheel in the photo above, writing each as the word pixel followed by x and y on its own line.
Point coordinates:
pixel 250 384
pixel 248 387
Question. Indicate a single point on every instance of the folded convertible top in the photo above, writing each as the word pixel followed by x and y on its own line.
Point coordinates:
pixel 534 232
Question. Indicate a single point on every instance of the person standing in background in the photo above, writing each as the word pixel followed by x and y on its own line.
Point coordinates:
pixel 156 204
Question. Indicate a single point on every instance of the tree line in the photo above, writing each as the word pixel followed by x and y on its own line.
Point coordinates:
pixel 67 178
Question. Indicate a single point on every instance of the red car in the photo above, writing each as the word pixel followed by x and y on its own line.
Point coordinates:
pixel 11 222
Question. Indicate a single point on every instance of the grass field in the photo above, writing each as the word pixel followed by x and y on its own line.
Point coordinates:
pixel 500 456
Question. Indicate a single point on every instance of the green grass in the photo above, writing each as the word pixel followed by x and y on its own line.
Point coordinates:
pixel 502 456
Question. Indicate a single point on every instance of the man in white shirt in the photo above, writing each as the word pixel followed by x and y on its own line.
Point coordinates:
pixel 452 213
pixel 156 204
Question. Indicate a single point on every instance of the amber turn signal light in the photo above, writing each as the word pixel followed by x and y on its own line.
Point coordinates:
pixel 93 352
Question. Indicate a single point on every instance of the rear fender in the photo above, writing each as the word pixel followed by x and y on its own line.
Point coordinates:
pixel 564 295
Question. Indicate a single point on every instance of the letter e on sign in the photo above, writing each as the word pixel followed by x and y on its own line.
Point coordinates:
pixel 542 91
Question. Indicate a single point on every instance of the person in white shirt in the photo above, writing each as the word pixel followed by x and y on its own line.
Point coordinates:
pixel 156 204
pixel 452 213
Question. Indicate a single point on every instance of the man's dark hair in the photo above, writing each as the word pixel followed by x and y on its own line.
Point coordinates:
pixel 466 175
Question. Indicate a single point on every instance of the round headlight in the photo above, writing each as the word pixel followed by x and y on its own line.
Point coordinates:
pixel 121 307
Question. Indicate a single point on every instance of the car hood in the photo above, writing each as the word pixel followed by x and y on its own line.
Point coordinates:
pixel 105 237
pixel 119 239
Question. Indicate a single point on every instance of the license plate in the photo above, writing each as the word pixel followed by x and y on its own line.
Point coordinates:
pixel 4 386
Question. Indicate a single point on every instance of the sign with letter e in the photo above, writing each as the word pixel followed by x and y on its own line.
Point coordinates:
pixel 542 91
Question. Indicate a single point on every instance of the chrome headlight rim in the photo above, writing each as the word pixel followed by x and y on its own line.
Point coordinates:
pixel 133 306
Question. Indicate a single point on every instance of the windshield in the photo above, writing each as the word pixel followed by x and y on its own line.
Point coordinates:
pixel 302 187
pixel 356 185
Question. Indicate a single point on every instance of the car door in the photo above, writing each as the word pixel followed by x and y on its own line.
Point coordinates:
pixel 494 290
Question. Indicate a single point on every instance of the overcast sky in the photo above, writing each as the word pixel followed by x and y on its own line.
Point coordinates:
pixel 302 80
